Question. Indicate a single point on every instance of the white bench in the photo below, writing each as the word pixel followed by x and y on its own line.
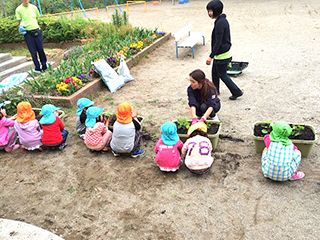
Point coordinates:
pixel 190 41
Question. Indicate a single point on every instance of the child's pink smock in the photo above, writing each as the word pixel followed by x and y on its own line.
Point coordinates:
pixel 4 130
pixel 168 157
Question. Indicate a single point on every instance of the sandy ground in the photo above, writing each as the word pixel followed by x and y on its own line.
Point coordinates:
pixel 79 195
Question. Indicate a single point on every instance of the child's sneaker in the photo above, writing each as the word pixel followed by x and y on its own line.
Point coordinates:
pixel 297 175
pixel 137 153
pixel 62 146
pixel 115 154
pixel 105 149
pixel 11 149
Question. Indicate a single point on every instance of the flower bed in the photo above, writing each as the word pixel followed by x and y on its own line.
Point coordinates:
pixel 96 83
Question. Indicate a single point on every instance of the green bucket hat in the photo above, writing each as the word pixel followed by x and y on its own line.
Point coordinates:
pixel 280 133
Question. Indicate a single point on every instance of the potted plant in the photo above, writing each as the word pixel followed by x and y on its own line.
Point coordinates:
pixel 114 118
pixel 303 136
pixel 214 128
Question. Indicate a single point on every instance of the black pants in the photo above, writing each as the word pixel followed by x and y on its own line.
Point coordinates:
pixel 203 108
pixel 35 46
pixel 219 70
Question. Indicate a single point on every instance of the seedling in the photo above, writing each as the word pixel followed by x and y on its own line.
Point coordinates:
pixel 296 130
pixel 183 122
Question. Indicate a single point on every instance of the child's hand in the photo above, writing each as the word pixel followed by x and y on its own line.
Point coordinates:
pixel 134 114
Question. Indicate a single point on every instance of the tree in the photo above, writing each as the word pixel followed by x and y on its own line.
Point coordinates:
pixel 4 8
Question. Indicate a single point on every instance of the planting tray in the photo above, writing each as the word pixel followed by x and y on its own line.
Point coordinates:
pixel 236 67
pixel 304 146
pixel 140 118
pixel 214 138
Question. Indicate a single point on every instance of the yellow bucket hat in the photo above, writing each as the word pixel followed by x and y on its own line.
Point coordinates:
pixel 25 112
pixel 124 111
pixel 197 126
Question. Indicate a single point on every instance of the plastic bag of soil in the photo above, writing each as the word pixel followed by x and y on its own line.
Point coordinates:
pixel 108 75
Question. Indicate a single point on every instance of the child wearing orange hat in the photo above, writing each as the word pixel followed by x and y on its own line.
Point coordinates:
pixel 28 127
pixel 126 137
pixel 197 149
pixel 8 135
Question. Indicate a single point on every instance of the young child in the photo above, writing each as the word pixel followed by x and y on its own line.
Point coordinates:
pixel 168 148
pixel 28 127
pixel 126 135
pixel 280 159
pixel 83 104
pixel 197 149
pixel 8 135
pixel 97 136
pixel 54 133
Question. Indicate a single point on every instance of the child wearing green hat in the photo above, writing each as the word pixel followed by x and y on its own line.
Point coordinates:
pixel 83 104
pixel 168 148
pixel 97 136
pixel 281 158
pixel 54 133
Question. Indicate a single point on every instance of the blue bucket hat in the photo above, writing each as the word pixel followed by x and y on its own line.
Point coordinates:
pixel 82 103
pixel 1 105
pixel 169 134
pixel 92 114
pixel 47 114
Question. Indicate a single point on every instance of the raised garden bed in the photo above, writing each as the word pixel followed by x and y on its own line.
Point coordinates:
pixel 96 84
pixel 303 136
pixel 214 128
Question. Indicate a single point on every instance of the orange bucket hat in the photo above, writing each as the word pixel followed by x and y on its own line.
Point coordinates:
pixel 124 111
pixel 25 112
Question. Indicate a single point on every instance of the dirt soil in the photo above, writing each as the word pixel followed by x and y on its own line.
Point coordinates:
pixel 81 195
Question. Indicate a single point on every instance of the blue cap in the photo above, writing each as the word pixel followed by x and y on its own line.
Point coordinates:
pixel 47 114
pixel 169 134
pixel 92 114
pixel 1 105
pixel 82 103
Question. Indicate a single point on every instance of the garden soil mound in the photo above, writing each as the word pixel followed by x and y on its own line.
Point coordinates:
pixel 79 195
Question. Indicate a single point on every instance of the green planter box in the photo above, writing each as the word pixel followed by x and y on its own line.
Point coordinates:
pixel 140 118
pixel 214 138
pixel 304 146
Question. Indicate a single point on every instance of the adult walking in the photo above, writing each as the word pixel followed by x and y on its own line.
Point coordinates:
pixel 27 15
pixel 220 49
pixel 203 97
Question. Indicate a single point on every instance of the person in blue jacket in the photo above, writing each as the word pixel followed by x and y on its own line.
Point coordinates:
pixel 203 97
pixel 220 49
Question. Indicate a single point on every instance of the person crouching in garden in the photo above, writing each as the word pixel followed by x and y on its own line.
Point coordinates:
pixel 83 104
pixel 168 148
pixel 97 136
pixel 28 127
pixel 8 135
pixel 126 136
pixel 54 133
pixel 197 149
pixel 203 97
pixel 281 158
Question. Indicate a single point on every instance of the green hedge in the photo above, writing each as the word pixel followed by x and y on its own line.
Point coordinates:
pixel 54 30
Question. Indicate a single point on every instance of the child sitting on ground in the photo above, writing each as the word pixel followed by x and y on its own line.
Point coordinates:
pixel 197 149
pixel 54 133
pixel 28 127
pixel 8 134
pixel 126 136
pixel 97 136
pixel 168 148
pixel 280 159
pixel 83 104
